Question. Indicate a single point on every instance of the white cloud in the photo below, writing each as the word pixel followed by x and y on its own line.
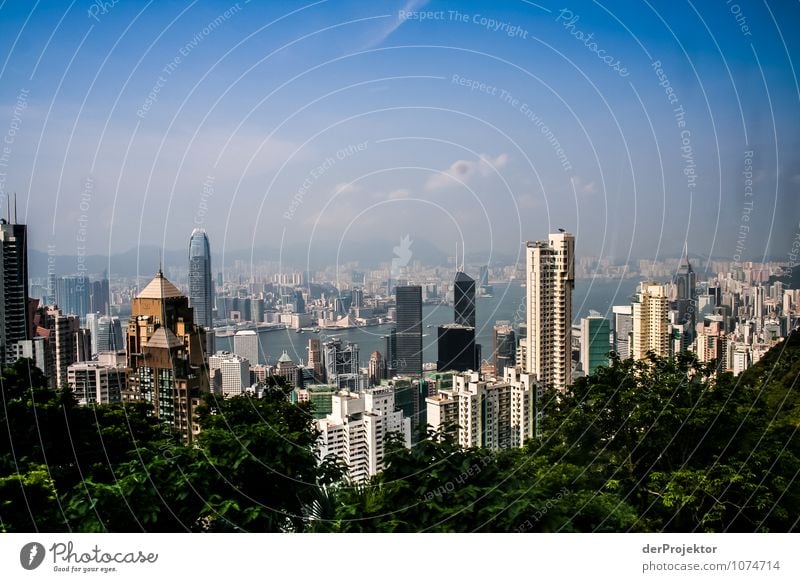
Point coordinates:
pixel 465 170
pixel 395 22
pixel 582 187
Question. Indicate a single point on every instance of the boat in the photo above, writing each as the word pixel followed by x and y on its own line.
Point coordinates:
pixel 299 331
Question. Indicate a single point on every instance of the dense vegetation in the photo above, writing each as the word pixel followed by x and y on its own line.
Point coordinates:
pixel 656 445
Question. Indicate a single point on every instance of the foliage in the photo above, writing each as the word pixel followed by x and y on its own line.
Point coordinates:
pixel 652 445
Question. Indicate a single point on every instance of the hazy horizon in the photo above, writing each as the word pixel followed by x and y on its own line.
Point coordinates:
pixel 483 125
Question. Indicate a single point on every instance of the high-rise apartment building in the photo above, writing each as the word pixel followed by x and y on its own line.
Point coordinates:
pixel 355 431
pixel 14 323
pixel 595 342
pixel 166 363
pixel 550 282
pixel 409 330
pixel 491 413
pixel 98 382
pixel 650 318
pixel 201 291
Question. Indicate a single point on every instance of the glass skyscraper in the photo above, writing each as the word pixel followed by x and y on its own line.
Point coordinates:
pixel 201 295
pixel 464 300
pixel 409 330
pixel 14 325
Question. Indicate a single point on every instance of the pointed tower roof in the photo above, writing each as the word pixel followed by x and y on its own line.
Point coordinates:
pixel 164 338
pixel 284 358
pixel 160 288
pixel 685 264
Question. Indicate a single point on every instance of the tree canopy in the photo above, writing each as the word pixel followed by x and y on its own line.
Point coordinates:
pixel 651 445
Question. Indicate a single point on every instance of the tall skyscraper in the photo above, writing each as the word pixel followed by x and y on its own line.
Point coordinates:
pixel 376 368
pixel 409 330
pixel 14 324
pixel 686 301
pixel 650 316
pixel 341 364
pixel 315 360
pixel 391 353
pixel 456 348
pixel 595 342
pixel 201 292
pixel 109 335
pixel 464 300
pixel 166 360
pixel 550 282
pixel 73 296
pixel 245 344
pixel 99 295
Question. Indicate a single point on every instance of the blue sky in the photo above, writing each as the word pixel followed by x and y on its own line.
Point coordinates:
pixel 318 123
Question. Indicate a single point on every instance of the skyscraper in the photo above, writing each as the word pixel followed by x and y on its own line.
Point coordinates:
pixel 165 349
pixel 623 327
pixel 550 281
pixel 686 287
pixel 504 347
pixel 341 364
pixel 409 330
pixel 456 348
pixel 245 344
pixel 201 293
pixel 464 300
pixel 14 325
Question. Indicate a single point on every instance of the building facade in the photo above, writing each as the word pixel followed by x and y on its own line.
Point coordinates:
pixel 550 282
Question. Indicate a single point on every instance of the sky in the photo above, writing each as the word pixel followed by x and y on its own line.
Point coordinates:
pixel 637 126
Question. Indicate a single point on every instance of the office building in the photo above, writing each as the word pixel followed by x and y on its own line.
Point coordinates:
pixel 504 347
pixel 376 368
pixel 391 353
pixel 166 356
pixel 355 431
pixel 550 282
pixel 315 360
pixel 595 342
pixel 201 291
pixel 288 370
pixel 99 296
pixel 234 375
pixel 456 348
pixel 623 329
pixel 341 361
pixel 245 344
pixel 73 296
pixel 650 318
pixel 464 300
pixel 14 317
pixel 409 330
